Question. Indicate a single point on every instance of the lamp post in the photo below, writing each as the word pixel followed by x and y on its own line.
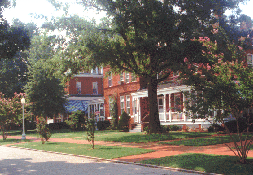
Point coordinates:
pixel 23 103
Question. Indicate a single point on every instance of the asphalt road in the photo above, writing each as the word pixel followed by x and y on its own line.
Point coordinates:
pixel 19 161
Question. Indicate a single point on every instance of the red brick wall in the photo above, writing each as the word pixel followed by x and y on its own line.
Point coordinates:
pixel 86 85
pixel 119 90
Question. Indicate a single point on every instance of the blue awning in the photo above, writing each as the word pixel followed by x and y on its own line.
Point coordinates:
pixel 75 105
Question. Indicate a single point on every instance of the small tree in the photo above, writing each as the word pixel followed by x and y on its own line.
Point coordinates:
pixel 76 119
pixel 90 126
pixel 114 112
pixel 11 111
pixel 225 87
pixel 124 121
pixel 43 129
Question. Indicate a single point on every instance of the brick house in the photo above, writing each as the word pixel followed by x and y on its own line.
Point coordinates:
pixel 85 93
pixel 132 97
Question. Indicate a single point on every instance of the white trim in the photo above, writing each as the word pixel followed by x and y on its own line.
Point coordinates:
pixel 89 75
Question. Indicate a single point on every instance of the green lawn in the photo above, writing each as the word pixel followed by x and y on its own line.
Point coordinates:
pixel 12 141
pixel 107 152
pixel 202 141
pixel 116 136
pixel 205 163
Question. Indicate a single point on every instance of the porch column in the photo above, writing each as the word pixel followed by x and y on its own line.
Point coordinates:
pixel 170 107
pixel 89 111
pixel 138 110
pixel 164 106
pixel 184 107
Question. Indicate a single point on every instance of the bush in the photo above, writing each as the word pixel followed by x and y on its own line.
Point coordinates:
pixel 165 128
pixel 232 125
pixel 124 122
pixel 102 125
pixel 174 127
pixel 57 126
pixel 43 129
pixel 215 128
pixel 76 119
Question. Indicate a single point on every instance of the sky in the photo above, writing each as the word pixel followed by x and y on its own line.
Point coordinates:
pixel 24 9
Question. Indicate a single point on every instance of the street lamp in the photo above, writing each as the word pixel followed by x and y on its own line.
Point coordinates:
pixel 23 103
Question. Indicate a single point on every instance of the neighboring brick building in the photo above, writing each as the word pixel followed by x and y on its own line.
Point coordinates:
pixel 85 93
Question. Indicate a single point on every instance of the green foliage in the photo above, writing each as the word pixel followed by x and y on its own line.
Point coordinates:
pixel 124 121
pixel 11 111
pixel 43 130
pixel 102 125
pixel 114 112
pixel 174 127
pixel 76 119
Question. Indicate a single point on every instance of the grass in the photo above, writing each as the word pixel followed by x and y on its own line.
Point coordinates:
pixel 106 152
pixel 205 163
pixel 12 141
pixel 202 141
pixel 116 136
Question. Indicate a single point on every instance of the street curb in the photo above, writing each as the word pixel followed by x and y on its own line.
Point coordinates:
pixel 117 161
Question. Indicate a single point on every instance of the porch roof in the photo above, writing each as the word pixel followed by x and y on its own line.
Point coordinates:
pixel 162 90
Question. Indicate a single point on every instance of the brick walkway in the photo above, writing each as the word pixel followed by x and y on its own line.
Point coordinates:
pixel 160 150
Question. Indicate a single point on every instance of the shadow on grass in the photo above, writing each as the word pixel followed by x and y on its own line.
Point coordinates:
pixel 205 163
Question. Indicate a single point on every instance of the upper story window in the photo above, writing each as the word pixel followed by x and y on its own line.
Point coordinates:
pixel 95 87
pixel 133 77
pixel 127 77
pixel 250 59
pixel 110 79
pixel 97 70
pixel 121 77
pixel 78 87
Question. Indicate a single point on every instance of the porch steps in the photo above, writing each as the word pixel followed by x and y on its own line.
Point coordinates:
pixel 137 128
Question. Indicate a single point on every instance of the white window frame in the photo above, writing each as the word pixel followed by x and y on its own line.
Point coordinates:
pixel 122 104
pixel 110 105
pixel 95 88
pixel 133 77
pixel 128 104
pixel 134 106
pixel 122 77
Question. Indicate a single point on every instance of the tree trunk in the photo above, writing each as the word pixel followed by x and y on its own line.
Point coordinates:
pixel 154 123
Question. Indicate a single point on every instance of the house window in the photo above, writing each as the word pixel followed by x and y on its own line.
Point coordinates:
pixel 135 106
pixel 160 104
pixel 128 104
pixel 250 59
pixel 122 77
pixel 110 79
pixel 133 77
pixel 95 88
pixel 127 77
pixel 101 109
pixel 122 104
pixel 110 105
pixel 78 87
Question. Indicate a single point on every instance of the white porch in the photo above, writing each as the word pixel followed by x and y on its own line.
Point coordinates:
pixel 166 114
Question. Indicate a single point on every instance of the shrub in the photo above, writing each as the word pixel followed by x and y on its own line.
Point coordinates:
pixel 76 119
pixel 102 125
pixel 165 128
pixel 215 128
pixel 174 127
pixel 232 125
pixel 124 122
pixel 43 129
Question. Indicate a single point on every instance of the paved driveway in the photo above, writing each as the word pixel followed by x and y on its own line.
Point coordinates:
pixel 20 161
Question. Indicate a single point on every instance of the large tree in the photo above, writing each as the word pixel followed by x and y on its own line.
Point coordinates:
pixel 152 38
